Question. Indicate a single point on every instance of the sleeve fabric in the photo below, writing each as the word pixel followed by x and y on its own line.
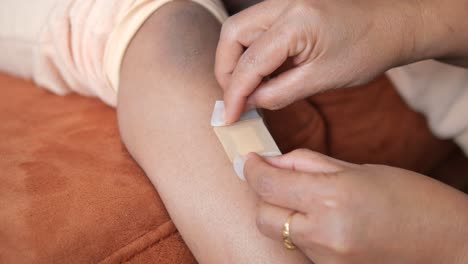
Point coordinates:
pixel 75 45
pixel 440 92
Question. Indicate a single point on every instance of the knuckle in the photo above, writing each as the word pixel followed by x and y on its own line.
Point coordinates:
pixel 301 193
pixel 301 152
pixel 299 6
pixel 262 223
pixel 309 154
pixel 306 7
pixel 261 226
pixel 338 197
pixel 341 196
pixel 249 59
pixel 341 235
pixel 284 33
pixel 308 235
pixel 265 187
pixel 270 101
pixel 336 238
pixel 274 105
pixel 229 29
pixel 341 243
pixel 298 196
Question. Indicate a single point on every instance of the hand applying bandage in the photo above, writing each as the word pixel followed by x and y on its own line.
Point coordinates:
pixel 279 51
pixel 338 212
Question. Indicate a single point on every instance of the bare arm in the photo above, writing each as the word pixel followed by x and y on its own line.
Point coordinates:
pixel 165 100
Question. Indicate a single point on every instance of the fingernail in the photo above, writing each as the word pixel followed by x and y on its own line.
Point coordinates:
pixel 238 164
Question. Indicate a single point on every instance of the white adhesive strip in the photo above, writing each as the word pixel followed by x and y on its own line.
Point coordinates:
pixel 217 118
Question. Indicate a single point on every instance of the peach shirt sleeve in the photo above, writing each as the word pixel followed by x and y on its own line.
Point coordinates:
pixel 75 45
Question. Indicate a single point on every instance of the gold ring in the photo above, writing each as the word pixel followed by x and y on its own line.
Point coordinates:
pixel 286 233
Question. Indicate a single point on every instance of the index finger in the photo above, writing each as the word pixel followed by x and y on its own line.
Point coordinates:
pixel 238 32
pixel 262 58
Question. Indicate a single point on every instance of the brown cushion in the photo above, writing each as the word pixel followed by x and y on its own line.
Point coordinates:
pixel 368 124
pixel 70 192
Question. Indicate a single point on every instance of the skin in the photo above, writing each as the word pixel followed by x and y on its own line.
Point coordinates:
pixel 223 209
pixel 277 52
pixel 308 46
pixel 166 97
pixel 348 213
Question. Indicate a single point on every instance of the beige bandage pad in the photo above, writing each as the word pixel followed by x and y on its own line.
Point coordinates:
pixel 249 134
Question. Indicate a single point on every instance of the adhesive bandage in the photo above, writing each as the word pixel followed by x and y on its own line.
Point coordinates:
pixel 249 134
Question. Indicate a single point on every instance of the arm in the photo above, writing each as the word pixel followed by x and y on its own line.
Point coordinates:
pixel 349 213
pixel 165 101
pixel 305 47
pixel 443 32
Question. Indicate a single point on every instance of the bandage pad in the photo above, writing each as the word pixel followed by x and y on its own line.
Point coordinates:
pixel 249 134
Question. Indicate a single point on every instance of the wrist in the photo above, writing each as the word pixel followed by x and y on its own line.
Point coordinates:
pixel 459 255
pixel 403 24
pixel 440 30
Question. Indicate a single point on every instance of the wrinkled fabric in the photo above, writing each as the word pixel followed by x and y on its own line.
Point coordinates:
pixel 440 92
pixel 71 193
pixel 61 44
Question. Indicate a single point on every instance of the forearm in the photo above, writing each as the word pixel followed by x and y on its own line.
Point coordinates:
pixel 165 100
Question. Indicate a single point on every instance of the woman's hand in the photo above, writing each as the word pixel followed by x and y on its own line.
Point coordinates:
pixel 307 46
pixel 329 44
pixel 349 213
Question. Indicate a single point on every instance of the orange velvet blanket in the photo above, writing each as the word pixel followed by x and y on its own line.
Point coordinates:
pixel 70 192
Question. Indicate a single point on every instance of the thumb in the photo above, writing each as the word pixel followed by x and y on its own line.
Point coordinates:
pixel 289 86
pixel 283 90
pixel 307 161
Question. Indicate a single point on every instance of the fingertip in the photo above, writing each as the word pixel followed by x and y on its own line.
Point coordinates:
pixel 233 109
pixel 227 112
pixel 251 157
pixel 239 164
pixel 229 119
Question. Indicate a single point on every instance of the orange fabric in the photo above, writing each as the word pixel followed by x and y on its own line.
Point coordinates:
pixel 70 192
pixel 368 124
